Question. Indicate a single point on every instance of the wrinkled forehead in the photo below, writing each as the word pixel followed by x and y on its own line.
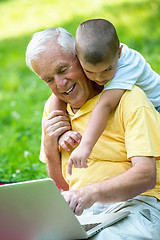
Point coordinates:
pixel 51 58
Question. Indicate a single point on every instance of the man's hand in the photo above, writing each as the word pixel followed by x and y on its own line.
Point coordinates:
pixel 55 125
pixel 80 199
pixel 79 158
pixel 136 180
pixel 69 138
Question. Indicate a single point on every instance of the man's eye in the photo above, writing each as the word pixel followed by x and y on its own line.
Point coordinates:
pixel 63 69
pixel 48 81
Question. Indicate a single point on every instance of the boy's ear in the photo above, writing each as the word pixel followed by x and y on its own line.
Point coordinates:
pixel 120 51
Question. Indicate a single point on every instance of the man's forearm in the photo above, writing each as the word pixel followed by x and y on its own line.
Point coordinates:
pixel 55 171
pixel 138 179
pixel 54 126
pixel 135 181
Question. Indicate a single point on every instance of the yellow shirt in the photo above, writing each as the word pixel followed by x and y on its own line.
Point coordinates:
pixel 133 129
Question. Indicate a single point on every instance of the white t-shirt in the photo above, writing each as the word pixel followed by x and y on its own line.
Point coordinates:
pixel 133 69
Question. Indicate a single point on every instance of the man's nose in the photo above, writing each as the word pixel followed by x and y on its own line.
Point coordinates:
pixel 60 81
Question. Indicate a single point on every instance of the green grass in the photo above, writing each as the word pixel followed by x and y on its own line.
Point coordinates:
pixel 23 94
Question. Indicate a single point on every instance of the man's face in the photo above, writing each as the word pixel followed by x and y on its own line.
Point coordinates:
pixel 63 74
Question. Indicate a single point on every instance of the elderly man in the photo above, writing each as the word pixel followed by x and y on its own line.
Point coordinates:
pixel 121 171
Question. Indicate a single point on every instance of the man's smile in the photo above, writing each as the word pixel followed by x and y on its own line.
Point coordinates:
pixel 70 90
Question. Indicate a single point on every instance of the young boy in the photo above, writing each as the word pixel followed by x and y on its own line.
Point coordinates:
pixel 117 68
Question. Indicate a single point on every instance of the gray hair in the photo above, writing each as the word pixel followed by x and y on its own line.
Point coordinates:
pixel 40 39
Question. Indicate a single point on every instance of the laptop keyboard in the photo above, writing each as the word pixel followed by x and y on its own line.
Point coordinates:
pixel 90 226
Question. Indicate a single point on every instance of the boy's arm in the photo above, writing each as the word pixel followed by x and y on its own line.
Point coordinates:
pixel 100 115
pixel 57 104
pixel 95 127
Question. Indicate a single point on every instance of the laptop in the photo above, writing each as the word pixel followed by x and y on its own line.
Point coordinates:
pixel 36 210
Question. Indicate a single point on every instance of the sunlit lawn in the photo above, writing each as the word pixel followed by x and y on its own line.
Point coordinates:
pixel 22 94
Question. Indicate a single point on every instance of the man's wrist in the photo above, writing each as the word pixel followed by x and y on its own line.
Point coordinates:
pixel 51 149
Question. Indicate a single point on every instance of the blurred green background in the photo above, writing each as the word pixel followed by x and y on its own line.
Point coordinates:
pixel 23 94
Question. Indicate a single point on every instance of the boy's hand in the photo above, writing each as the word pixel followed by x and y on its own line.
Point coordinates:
pixel 79 158
pixel 69 138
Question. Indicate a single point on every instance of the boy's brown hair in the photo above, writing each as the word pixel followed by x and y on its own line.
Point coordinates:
pixel 96 41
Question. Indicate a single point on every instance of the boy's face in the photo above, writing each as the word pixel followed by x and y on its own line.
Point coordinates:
pixel 102 72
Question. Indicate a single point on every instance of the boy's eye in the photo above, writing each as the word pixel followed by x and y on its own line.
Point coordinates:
pixel 108 69
pixel 86 71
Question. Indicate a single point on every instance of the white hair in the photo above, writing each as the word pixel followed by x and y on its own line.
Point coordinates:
pixel 40 39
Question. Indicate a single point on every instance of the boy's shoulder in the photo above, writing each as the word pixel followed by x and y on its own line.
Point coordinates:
pixel 128 53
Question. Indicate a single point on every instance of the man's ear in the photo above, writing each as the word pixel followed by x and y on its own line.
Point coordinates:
pixel 120 51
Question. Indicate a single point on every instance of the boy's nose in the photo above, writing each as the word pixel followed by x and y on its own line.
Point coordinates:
pixel 99 77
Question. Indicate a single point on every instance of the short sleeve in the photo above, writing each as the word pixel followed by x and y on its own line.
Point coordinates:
pixel 130 68
pixel 142 130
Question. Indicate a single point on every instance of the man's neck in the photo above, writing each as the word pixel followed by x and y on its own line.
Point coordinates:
pixel 96 89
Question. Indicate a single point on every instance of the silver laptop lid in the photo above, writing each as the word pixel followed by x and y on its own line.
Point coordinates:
pixel 35 210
